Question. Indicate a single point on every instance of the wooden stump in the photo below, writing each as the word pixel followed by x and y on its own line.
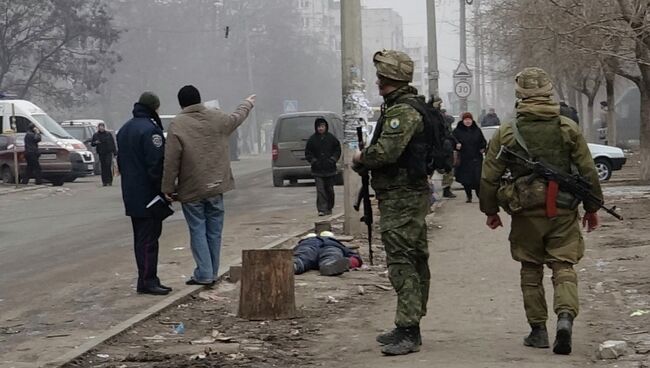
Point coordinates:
pixel 321 226
pixel 267 285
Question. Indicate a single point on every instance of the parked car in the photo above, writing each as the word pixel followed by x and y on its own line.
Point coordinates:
pixel 82 160
pixel 292 131
pixel 166 120
pixel 54 160
pixel 607 158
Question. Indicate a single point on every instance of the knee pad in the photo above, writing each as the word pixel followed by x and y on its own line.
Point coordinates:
pixel 563 272
pixel 531 274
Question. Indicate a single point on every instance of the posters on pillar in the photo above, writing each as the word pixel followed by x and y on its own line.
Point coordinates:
pixel 356 110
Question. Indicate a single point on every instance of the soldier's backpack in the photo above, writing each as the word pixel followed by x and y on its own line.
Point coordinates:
pixel 439 141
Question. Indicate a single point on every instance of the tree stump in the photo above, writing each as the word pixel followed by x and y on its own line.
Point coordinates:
pixel 267 285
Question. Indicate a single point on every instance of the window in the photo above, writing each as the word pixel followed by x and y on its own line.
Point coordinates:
pixel 296 129
pixel 22 123
pixel 306 22
pixel 51 126
pixel 77 132
pixel 305 4
pixel 4 142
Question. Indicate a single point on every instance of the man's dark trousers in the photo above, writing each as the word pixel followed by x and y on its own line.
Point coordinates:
pixel 146 232
pixel 33 168
pixel 325 193
pixel 106 161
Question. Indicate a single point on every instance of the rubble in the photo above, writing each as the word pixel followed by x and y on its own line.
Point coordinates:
pixel 612 349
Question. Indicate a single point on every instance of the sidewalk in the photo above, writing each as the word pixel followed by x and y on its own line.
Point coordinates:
pixel 476 316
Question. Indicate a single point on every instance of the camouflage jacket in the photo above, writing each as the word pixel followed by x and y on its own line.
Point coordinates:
pixel 400 122
pixel 554 140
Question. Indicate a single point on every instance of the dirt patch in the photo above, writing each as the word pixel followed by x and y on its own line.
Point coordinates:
pixel 616 298
pixel 215 337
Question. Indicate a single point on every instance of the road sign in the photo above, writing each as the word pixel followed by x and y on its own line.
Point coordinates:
pixel 463 89
pixel 290 106
pixel 462 71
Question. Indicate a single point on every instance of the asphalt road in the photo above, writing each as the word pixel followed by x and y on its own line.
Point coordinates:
pixel 67 269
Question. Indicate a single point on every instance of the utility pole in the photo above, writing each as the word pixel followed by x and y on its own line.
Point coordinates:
pixel 477 55
pixel 353 109
pixel 432 45
pixel 463 48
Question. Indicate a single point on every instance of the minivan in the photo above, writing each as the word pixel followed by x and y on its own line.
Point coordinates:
pixel 292 131
pixel 82 160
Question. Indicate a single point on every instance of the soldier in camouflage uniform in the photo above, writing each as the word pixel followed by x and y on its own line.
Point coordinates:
pixel 544 232
pixel 447 175
pixel 402 190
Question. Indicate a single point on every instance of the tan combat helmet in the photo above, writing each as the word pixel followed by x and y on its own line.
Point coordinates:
pixel 533 82
pixel 394 65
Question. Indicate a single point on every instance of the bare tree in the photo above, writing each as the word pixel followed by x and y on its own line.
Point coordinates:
pixel 55 48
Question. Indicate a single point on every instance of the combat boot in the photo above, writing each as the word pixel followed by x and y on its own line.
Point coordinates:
pixel 562 344
pixel 538 337
pixel 389 337
pixel 447 193
pixel 406 341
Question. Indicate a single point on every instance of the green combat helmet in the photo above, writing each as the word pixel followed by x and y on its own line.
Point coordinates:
pixel 533 82
pixel 394 65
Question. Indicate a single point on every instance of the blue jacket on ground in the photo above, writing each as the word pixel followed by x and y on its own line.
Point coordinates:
pixel 141 148
pixel 311 252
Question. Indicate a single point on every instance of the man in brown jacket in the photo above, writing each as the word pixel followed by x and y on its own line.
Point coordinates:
pixel 197 168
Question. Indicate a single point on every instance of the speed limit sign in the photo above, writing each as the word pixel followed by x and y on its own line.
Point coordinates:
pixel 463 89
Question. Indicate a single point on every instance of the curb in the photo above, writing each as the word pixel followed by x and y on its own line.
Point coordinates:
pixel 158 307
pixel 20 190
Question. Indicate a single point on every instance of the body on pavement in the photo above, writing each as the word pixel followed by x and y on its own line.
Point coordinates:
pixel 197 169
pixel 141 146
pixel 105 145
pixel 324 253
pixel 400 181
pixel 323 151
pixel 545 222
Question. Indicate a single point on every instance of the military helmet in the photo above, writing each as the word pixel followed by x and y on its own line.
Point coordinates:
pixel 533 82
pixel 394 65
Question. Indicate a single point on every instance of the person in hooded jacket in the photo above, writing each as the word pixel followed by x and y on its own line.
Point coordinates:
pixel 104 143
pixel 32 138
pixel 141 148
pixel 323 151
pixel 471 146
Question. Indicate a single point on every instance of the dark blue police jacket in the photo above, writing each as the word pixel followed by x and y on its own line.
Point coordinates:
pixel 141 149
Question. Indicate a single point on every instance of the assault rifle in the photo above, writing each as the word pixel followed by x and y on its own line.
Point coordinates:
pixel 574 184
pixel 364 196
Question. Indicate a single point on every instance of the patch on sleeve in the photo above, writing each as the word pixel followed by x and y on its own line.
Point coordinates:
pixel 394 123
pixel 157 140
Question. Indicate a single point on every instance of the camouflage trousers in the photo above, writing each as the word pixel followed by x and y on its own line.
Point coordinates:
pixel 404 235
pixel 447 179
pixel 558 243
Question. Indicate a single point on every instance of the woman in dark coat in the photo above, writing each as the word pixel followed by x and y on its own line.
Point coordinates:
pixel 471 146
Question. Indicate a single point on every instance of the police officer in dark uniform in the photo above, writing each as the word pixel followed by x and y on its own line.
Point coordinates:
pixel 141 147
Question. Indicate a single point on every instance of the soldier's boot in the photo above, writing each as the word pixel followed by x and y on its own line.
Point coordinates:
pixel 390 337
pixel 538 337
pixel 406 341
pixel 562 344
pixel 447 193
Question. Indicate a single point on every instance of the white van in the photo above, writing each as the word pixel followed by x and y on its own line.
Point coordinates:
pixel 27 113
